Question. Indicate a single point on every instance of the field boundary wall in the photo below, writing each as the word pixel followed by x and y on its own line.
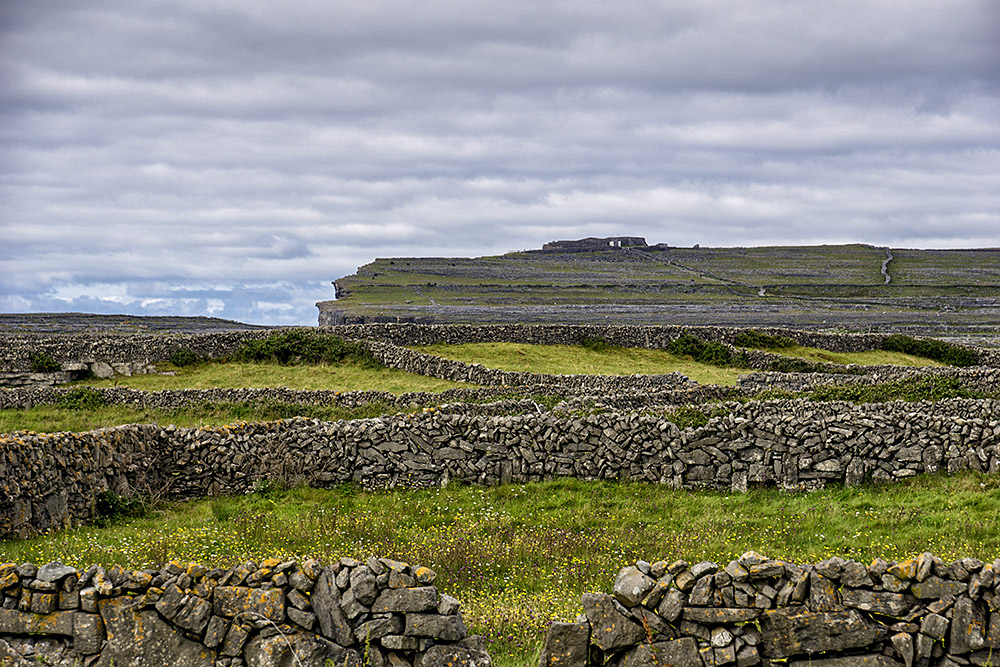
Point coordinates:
pixel 757 611
pixel 50 481
pixel 376 613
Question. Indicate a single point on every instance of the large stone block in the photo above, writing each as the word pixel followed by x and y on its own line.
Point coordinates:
pixel 610 626
pixel 434 626
pixel 661 654
pixel 406 600
pixel 88 633
pixel 231 601
pixel 325 600
pixel 796 630
pixel 631 586
pixel 453 656
pixel 879 602
pixel 283 650
pixel 566 645
pixel 16 622
pixel 870 660
pixel 142 638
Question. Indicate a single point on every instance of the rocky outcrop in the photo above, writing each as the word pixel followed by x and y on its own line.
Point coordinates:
pixel 758 611
pixel 378 613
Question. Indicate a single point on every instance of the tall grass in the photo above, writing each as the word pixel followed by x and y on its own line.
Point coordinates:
pixel 519 556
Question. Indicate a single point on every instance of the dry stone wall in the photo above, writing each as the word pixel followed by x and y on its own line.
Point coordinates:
pixel 106 355
pixel 757 611
pixel 377 613
pixel 49 481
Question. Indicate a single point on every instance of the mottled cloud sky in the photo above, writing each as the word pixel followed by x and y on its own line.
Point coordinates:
pixel 232 157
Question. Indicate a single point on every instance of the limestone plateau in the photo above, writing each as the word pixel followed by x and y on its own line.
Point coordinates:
pixel 624 280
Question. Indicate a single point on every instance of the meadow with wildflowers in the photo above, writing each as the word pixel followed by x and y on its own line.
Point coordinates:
pixel 517 556
pixel 520 556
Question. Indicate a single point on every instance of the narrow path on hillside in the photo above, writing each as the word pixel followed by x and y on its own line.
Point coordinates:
pixel 885 265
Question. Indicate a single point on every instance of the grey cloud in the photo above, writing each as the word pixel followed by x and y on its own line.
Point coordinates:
pixel 152 148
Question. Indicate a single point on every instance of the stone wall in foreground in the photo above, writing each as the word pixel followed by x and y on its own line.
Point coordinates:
pixel 757 611
pixel 379 613
pixel 50 481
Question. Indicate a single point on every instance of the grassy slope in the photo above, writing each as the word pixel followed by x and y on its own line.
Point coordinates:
pixel 342 378
pixel 628 361
pixel 794 277
pixel 519 556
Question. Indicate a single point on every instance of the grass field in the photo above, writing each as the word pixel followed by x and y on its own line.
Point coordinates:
pixel 519 556
pixel 342 377
pixel 630 361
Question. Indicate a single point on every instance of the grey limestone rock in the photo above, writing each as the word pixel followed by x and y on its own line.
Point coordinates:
pixel 140 638
pixel 434 626
pixel 678 652
pixel 566 645
pixel 610 626
pixel 420 599
pixel 632 585
pixel 453 656
pixel 326 605
pixel 795 630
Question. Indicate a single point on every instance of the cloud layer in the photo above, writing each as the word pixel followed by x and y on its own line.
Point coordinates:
pixel 233 157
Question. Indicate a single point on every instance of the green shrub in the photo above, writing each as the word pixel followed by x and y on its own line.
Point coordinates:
pixel 596 344
pixel 757 340
pixel 938 350
pixel 110 508
pixel 923 388
pixel 705 352
pixel 305 347
pixel 82 398
pixel 43 363
pixel 184 357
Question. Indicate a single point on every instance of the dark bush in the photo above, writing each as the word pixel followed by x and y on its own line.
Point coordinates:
pixel 110 508
pixel 82 398
pixel 928 348
pixel 705 352
pixel 306 347
pixel 43 363
pixel 689 416
pixel 596 344
pixel 184 357
pixel 757 340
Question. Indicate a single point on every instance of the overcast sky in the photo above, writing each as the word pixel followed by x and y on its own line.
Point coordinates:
pixel 232 157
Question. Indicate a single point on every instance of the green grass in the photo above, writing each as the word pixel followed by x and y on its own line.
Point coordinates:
pixel 55 418
pixel 867 358
pixel 343 377
pixel 519 556
pixel 611 360
pixel 569 359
